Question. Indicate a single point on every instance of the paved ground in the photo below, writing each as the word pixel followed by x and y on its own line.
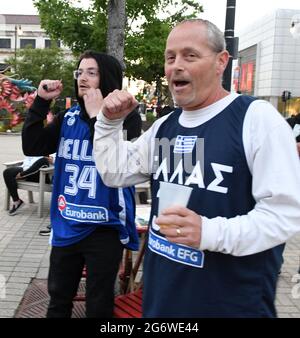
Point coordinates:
pixel 24 254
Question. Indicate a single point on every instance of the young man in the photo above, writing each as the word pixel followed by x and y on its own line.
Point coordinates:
pixel 220 255
pixel 91 223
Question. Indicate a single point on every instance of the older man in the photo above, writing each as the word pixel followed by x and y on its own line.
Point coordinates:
pixel 219 256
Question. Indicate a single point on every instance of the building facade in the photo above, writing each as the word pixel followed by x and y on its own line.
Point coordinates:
pixel 269 61
pixel 19 31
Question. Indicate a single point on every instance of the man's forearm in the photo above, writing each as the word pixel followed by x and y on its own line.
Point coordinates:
pixel 119 162
pixel 38 140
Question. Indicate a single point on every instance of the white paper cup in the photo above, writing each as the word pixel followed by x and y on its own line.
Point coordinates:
pixel 173 194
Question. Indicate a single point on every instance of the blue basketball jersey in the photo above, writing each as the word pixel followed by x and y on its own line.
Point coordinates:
pixel 180 281
pixel 80 200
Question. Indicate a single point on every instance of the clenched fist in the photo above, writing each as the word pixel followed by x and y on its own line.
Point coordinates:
pixel 49 89
pixel 118 104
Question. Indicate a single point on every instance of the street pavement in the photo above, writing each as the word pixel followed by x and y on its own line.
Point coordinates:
pixel 24 254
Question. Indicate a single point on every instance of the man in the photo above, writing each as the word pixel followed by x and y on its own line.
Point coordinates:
pixel 220 255
pixel 91 223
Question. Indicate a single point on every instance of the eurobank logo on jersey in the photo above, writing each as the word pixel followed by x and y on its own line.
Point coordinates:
pixel 81 213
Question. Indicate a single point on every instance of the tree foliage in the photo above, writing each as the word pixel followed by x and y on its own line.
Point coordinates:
pixel 144 51
pixel 81 29
pixel 48 63
pixel 148 24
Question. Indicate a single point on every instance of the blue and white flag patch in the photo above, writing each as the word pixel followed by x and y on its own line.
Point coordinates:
pixel 184 144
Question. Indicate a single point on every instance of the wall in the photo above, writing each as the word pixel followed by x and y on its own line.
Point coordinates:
pixel 277 55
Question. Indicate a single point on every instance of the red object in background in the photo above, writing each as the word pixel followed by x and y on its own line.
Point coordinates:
pixel 68 102
pixel 243 77
pixel 16 119
pixel 16 96
pixel 236 76
pixel 247 77
pixel 29 98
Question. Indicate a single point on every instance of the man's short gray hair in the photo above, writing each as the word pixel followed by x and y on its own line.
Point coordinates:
pixel 215 38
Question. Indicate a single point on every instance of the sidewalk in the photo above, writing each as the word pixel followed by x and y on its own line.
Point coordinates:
pixel 24 254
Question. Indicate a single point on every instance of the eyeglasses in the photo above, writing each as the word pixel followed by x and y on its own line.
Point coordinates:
pixel 89 73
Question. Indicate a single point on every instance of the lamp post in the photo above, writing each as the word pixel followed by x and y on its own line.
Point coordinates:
pixel 18 31
pixel 231 42
pixel 295 26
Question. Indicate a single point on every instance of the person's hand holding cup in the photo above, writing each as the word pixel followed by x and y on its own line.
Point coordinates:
pixel 171 194
pixel 178 223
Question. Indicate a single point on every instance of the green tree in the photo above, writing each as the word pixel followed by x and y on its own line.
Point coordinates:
pixel 81 29
pixel 148 23
pixel 145 53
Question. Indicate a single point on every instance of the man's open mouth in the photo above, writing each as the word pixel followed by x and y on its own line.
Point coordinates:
pixel 179 84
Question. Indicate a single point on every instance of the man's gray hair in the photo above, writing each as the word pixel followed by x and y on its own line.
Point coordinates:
pixel 215 38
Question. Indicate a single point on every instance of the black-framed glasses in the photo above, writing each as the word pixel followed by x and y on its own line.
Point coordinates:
pixel 89 73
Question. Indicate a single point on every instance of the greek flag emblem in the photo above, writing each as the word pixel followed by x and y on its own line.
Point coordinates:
pixel 184 144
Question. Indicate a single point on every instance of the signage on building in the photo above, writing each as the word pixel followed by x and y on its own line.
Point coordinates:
pixel 247 77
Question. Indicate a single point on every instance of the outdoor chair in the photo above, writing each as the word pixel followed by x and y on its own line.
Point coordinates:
pixel 41 187
pixel 129 303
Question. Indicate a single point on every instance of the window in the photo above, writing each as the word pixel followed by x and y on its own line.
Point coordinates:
pixel 5 43
pixel 49 43
pixel 27 42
